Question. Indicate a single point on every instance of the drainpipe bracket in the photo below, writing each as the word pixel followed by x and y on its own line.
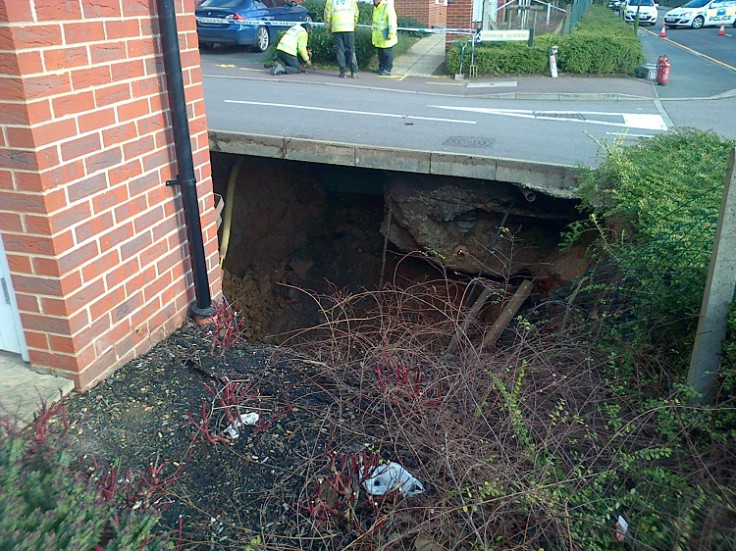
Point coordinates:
pixel 177 182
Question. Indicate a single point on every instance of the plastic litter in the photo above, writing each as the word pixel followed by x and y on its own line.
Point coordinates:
pixel 245 419
pixel 622 528
pixel 391 477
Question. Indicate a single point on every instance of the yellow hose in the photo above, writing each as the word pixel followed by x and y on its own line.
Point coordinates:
pixel 227 218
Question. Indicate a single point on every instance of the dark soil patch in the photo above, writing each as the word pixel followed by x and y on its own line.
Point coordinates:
pixel 147 413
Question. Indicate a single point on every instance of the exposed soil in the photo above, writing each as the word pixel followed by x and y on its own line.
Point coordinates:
pixel 294 242
pixel 290 235
pixel 148 413
pixel 300 229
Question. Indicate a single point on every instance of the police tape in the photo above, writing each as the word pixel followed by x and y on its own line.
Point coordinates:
pixel 267 23
pixel 430 30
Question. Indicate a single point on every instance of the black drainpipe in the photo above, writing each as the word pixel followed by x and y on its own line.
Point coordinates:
pixel 202 305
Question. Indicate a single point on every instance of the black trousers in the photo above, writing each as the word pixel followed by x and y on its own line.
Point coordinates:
pixel 345 47
pixel 290 62
pixel 385 59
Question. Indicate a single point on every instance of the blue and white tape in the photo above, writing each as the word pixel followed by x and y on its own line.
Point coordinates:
pixel 266 23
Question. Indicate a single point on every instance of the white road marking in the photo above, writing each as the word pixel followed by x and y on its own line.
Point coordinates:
pixel 646 122
pixel 628 120
pixel 348 111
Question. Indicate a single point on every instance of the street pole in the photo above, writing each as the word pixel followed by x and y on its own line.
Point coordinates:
pixel 636 19
pixel 717 297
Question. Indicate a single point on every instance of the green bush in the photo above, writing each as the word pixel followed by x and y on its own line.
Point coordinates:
pixel 323 48
pixel 500 59
pixel 663 196
pixel 655 206
pixel 411 23
pixel 589 53
pixel 320 41
pixel 45 505
pixel 316 9
pixel 602 44
pixel 366 14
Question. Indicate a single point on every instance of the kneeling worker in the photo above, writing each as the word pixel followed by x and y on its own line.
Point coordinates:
pixel 294 40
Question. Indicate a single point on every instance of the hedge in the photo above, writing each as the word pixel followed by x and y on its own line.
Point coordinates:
pixel 602 44
pixel 323 48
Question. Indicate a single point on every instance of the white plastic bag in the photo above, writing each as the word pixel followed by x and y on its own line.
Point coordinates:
pixel 391 477
pixel 245 419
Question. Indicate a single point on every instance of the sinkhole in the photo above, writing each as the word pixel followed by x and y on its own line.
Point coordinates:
pixel 300 230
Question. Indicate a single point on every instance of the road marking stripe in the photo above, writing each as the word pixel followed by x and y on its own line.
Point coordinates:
pixel 646 122
pixel 629 120
pixel 348 111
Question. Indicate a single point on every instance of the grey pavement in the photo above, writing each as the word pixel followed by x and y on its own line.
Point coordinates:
pixel 23 391
pixel 693 76
pixel 423 58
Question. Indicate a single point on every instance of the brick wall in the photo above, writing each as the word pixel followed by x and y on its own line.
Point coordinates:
pixel 438 15
pixel 459 16
pixel 428 12
pixel 95 241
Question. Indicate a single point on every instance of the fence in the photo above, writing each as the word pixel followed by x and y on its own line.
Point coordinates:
pixel 576 11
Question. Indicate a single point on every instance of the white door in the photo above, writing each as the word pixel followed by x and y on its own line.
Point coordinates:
pixel 11 334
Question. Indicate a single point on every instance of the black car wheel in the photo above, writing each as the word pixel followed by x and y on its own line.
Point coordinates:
pixel 206 45
pixel 263 39
pixel 698 22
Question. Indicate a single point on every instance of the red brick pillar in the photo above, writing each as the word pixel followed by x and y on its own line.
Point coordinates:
pixel 95 241
pixel 430 13
pixel 459 16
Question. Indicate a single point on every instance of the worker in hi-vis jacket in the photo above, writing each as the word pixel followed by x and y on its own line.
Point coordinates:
pixel 294 41
pixel 340 19
pixel 384 35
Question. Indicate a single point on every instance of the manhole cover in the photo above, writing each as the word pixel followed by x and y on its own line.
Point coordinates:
pixel 469 141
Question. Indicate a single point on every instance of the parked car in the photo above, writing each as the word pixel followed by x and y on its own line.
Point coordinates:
pixel 616 5
pixel 702 13
pixel 647 10
pixel 246 22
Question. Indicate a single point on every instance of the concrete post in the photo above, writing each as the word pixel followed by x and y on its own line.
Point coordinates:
pixel 717 297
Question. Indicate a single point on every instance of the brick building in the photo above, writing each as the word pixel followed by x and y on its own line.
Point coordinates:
pixel 94 251
pixel 430 13
pixel 456 14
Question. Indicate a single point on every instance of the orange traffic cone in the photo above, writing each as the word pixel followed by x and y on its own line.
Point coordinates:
pixel 722 30
pixel 663 33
